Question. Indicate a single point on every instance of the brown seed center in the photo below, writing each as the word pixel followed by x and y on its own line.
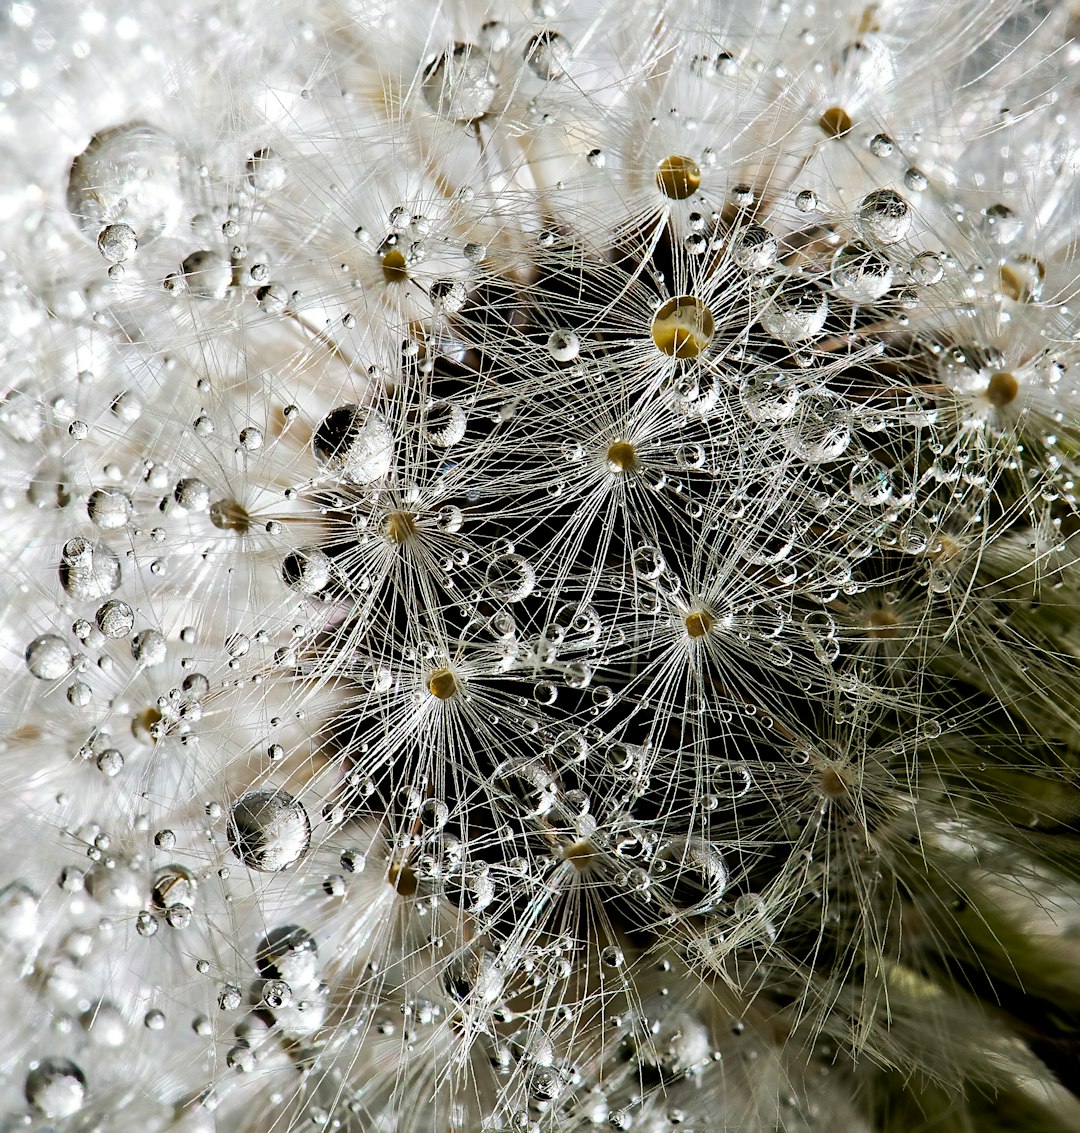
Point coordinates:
pixel 1002 389
pixel 400 526
pixel 393 267
pixel 443 684
pixel 836 122
pixel 678 177
pixel 699 623
pixel 622 457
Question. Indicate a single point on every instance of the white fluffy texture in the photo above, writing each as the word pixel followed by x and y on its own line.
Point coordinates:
pixel 486 984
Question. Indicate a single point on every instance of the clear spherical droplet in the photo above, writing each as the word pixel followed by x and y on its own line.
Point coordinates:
pixel 268 830
pixel 109 508
pixel 885 215
pixel 149 647
pixel 128 175
pixel 265 171
pixel 288 953
pixel 306 570
pixel 927 269
pixel 647 563
pixel 355 443
pixel 460 84
pixel 755 249
pixel 444 423
pixel 117 243
pixel 510 578
pixel 563 345
pixel 548 55
pixel 48 657
pixel 192 494
pixel 56 1088
pixel 115 619
pixel 207 274
pixel 88 571
pixel 860 274
pixel 796 311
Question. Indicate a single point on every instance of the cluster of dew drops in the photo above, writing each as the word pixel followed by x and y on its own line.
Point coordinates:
pixel 431 714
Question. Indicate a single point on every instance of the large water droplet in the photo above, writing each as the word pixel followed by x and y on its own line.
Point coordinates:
pixel 56 1088
pixel 796 311
pixel 48 657
pixel 88 571
pixel 548 55
pixel 861 274
pixel 268 830
pixel 885 215
pixel 460 84
pixel 127 175
pixel 354 442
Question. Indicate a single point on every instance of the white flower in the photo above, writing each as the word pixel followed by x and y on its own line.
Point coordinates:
pixel 539 566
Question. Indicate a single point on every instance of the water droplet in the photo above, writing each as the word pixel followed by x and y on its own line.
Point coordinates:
pixel 885 215
pixel 548 55
pixel 149 647
pixel 927 269
pixel 289 953
pixel 1001 224
pixel 104 1024
pixel 732 780
pixel 48 657
pixel 18 912
pixel 207 274
pixel 448 295
pixel 306 570
pixel 110 762
pixel 860 274
pixel 796 311
pixel 173 885
pixel 449 519
pixel 56 1088
pixel 460 84
pixel 115 619
pixel 444 423
pixel 563 345
pixel 355 443
pixel 192 494
pixel 510 578
pixel 117 243
pixel 820 429
pixel 128 175
pixel 870 483
pixel 755 249
pixel 272 299
pixel 647 563
pixel 915 180
pixel 612 957
pixel 268 830
pixel 692 872
pixel 88 571
pixel 109 508
pixel 265 171
pixel 769 398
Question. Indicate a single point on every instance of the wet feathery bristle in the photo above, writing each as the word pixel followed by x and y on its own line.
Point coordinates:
pixel 540 583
